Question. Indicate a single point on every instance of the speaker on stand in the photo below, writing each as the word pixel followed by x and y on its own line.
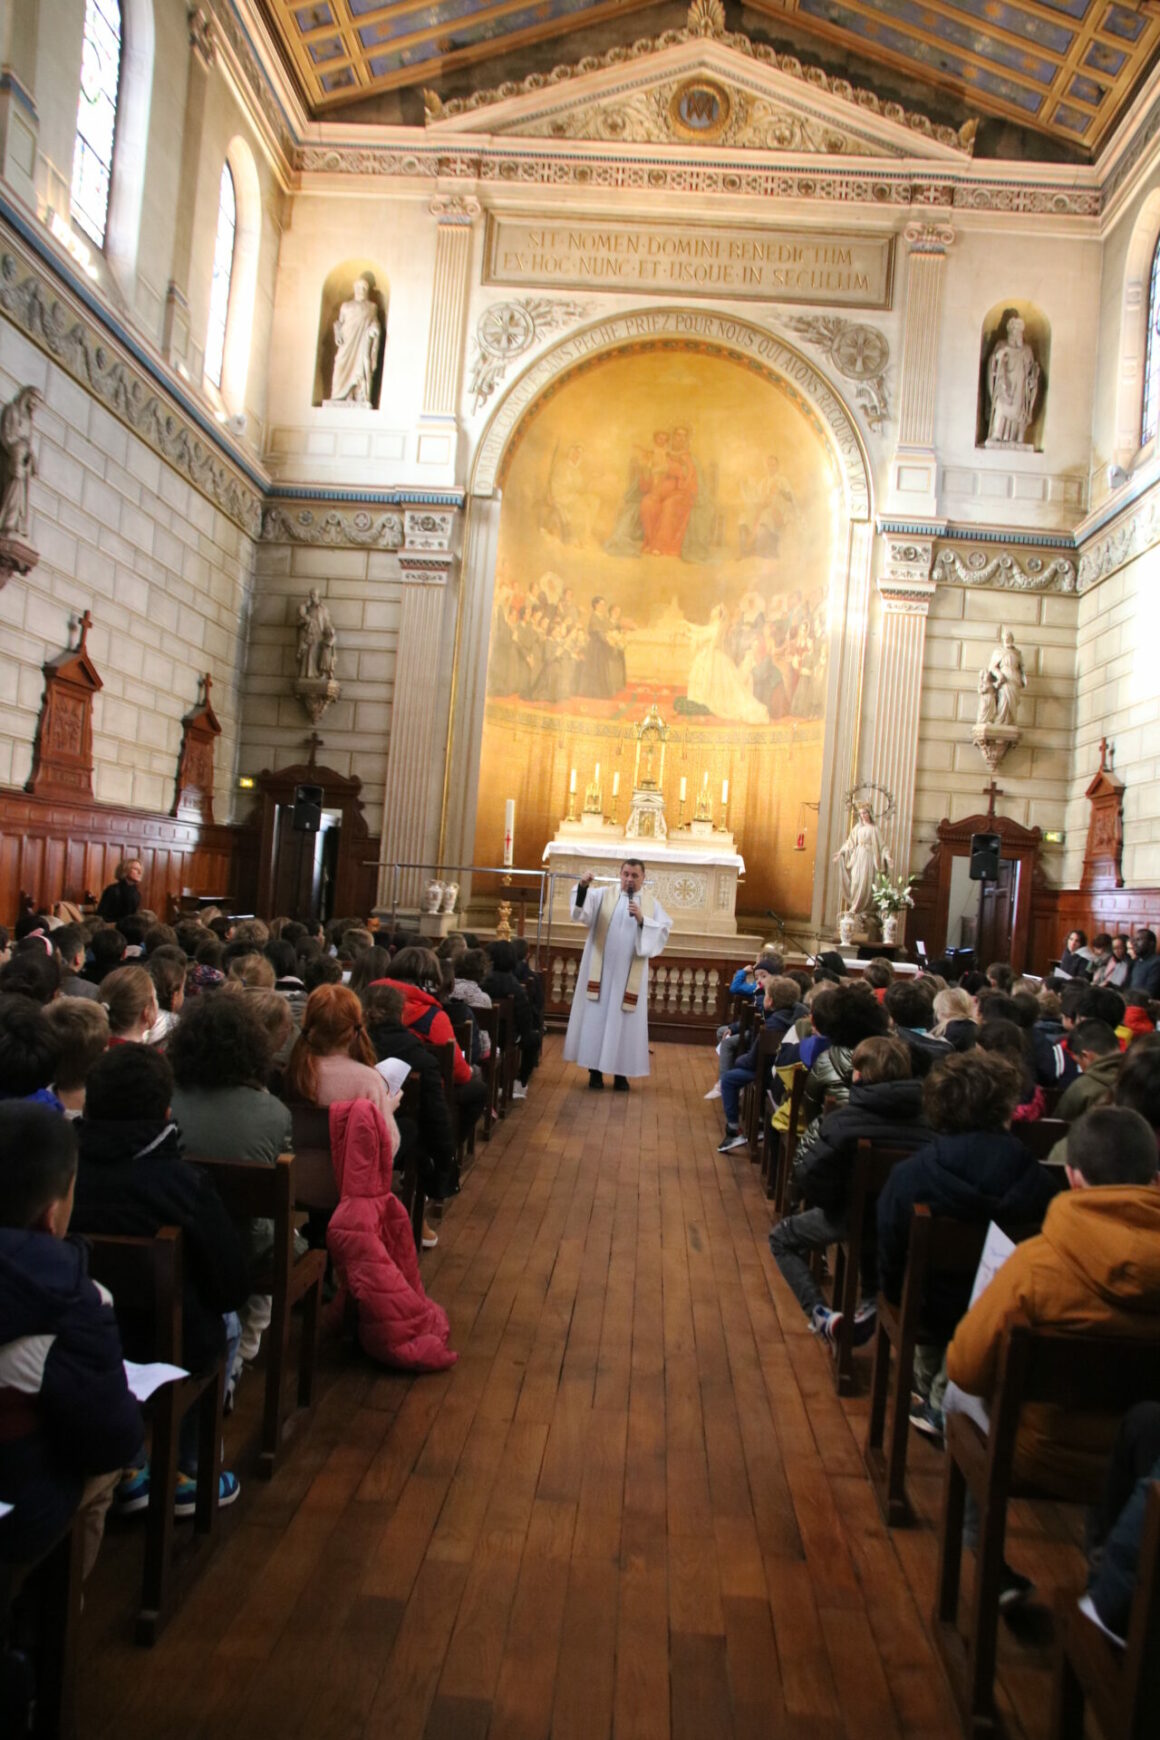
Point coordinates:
pixel 986 851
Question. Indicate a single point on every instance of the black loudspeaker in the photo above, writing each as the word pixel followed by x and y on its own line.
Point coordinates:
pixel 985 853
pixel 308 809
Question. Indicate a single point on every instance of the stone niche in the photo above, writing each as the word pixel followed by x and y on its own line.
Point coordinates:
pixel 337 290
pixel 1037 336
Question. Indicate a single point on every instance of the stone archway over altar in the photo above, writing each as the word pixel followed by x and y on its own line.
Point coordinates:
pixel 737 586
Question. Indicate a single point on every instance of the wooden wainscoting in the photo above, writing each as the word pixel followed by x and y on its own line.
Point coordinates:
pixel 1114 909
pixel 57 850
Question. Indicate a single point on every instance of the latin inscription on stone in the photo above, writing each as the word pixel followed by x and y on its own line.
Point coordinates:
pixel 851 271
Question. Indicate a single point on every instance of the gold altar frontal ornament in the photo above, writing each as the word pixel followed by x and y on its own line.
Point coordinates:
pixel 652 734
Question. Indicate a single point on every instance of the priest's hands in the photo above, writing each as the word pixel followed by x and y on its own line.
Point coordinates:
pixel 585 881
pixel 635 911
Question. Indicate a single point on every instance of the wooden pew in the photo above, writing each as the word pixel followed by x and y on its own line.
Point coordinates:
pixel 1041 1135
pixel 1122 1686
pixel 488 1021
pixel 873 1164
pixel 1079 1373
pixel 145 1276
pixel 252 1190
pixel 777 1159
pixel 509 1049
pixel 939 1245
pixel 48 1594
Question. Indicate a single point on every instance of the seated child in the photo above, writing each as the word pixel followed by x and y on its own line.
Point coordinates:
pixel 80 1028
pixel 885 1102
pixel 68 1423
pixel 28 1052
pixel 134 1179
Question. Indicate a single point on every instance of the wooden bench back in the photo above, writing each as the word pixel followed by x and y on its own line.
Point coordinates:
pixel 314 1186
pixel 144 1276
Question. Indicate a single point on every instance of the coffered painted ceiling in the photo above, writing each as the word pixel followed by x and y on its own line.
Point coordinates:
pixel 1064 68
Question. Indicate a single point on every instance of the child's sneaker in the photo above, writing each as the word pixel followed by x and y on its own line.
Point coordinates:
pixel 733 1139
pixel 185 1499
pixel 822 1321
pixel 132 1494
pixel 865 1322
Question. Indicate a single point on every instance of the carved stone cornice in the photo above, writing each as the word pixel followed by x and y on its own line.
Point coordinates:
pixel 1126 538
pixel 929 238
pixel 36 302
pixel 1004 572
pixel 454 208
pixel 340 526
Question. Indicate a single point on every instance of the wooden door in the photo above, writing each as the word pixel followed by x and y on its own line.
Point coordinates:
pixel 997 916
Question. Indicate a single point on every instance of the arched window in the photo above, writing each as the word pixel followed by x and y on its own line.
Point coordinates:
pixel 1151 405
pixel 96 117
pixel 223 271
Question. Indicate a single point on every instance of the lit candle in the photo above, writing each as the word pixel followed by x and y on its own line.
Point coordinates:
pixel 684 787
pixel 616 785
pixel 724 791
pixel 509 831
pixel 572 783
pixel 596 778
pixel 705 781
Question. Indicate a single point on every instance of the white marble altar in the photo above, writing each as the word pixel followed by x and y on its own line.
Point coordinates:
pixel 694 876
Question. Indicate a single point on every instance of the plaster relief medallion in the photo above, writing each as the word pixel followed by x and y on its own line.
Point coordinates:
pixel 505 330
pixel 860 353
pixel 700 109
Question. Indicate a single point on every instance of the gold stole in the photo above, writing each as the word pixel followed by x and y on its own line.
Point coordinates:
pixel 600 932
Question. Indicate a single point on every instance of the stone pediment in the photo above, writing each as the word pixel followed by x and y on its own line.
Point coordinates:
pixel 691 91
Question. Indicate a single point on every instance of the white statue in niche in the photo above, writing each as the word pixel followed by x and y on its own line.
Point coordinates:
pixel 1013 377
pixel 315 638
pixel 358 333
pixel 1010 678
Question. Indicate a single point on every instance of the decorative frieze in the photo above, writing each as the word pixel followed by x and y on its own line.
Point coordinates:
pixel 352 526
pixel 1004 572
pixel 1128 537
pixel 428 529
pixel 55 324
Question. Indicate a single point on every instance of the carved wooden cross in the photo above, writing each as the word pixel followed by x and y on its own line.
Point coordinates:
pixel 316 743
pixel 84 623
pixel 993 791
pixel 207 683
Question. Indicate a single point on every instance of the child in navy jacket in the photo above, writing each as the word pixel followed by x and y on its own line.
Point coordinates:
pixel 68 1422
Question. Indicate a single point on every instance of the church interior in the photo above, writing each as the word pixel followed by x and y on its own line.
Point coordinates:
pixel 450 452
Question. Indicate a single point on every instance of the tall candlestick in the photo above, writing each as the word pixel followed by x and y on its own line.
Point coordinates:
pixel 684 787
pixel 724 791
pixel 509 831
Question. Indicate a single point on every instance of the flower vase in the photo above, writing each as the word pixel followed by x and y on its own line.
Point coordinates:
pixel 889 928
pixel 846 928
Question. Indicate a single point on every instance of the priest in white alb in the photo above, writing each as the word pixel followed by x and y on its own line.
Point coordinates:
pixel 608 1026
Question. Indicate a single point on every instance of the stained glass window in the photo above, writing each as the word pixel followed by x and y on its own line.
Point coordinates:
pixel 96 117
pixel 223 268
pixel 1148 417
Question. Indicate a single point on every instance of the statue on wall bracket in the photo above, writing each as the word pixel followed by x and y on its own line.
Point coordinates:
pixel 1001 685
pixel 17 554
pixel 315 684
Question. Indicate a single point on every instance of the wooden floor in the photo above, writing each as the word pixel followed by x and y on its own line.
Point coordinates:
pixel 635 1506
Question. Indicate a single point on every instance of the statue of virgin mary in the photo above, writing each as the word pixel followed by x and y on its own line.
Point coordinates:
pixel 859 861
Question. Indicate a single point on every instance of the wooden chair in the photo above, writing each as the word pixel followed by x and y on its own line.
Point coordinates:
pixel 488 1020
pixel 1077 1373
pixel 753 1099
pixel 777 1163
pixel 1041 1135
pixel 937 1245
pixel 873 1164
pixel 509 1052
pixel 145 1277
pixel 314 1187
pixel 48 1595
pixel 252 1190
pixel 1122 1686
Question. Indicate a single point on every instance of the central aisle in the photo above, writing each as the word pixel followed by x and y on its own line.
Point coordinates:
pixel 634 1508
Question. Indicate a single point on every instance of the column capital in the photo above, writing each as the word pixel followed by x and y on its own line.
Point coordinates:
pixel 454 208
pixel 202 36
pixel 905 585
pixel 929 238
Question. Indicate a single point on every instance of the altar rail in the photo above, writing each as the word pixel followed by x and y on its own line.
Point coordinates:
pixel 688 998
